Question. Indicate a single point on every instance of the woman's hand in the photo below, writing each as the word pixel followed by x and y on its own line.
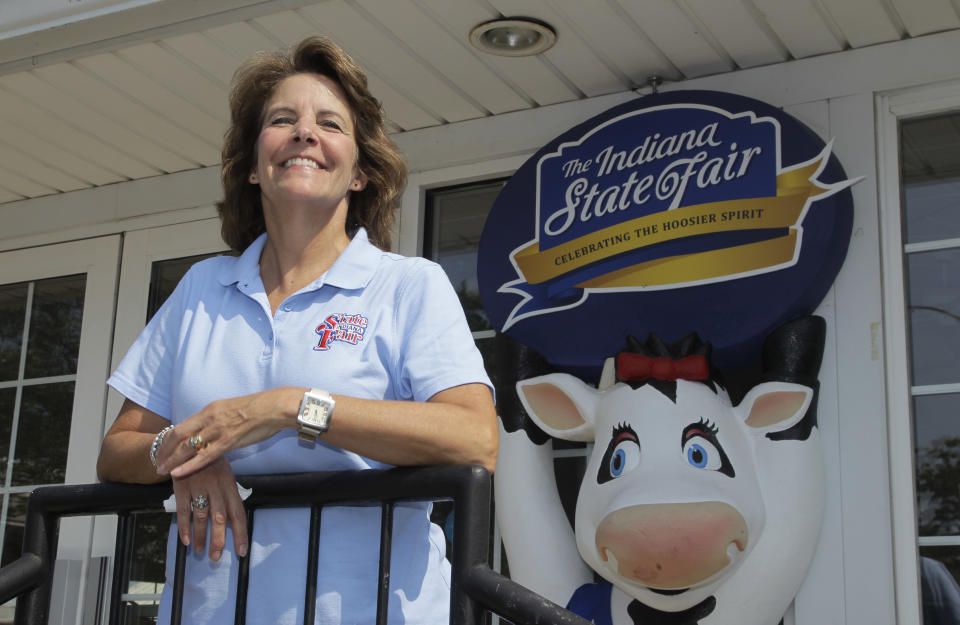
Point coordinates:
pixel 224 507
pixel 224 425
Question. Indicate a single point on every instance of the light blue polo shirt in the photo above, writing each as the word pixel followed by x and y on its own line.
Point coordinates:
pixel 376 325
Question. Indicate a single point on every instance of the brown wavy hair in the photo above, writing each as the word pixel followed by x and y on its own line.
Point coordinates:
pixel 373 207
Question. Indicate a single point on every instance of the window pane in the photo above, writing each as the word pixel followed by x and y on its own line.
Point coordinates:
pixel 930 170
pixel 939 572
pixel 931 210
pixel 54 341
pixel 8 397
pixel 455 218
pixel 164 277
pixel 13 302
pixel 934 291
pixel 140 612
pixel 937 436
pixel 148 553
pixel 13 539
pixel 43 433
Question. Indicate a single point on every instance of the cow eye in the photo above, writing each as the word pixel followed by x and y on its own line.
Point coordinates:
pixel 625 456
pixel 701 454
pixel 622 454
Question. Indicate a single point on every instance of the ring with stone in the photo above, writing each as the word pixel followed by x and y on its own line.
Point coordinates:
pixel 197 442
pixel 199 503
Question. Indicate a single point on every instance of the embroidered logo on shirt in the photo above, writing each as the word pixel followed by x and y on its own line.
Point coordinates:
pixel 341 327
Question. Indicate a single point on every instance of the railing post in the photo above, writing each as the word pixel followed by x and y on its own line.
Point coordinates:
pixel 386 542
pixel 120 564
pixel 41 533
pixel 243 576
pixel 313 563
pixel 471 533
pixel 179 571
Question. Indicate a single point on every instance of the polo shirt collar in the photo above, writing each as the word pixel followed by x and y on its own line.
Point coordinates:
pixel 246 269
pixel 353 269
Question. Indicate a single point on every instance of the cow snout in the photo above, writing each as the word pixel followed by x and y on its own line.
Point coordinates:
pixel 671 546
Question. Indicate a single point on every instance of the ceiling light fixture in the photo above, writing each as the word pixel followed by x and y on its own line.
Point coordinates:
pixel 513 36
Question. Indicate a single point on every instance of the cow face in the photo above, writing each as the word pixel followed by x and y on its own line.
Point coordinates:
pixel 670 505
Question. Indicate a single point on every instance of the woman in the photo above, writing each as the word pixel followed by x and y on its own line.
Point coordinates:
pixel 312 331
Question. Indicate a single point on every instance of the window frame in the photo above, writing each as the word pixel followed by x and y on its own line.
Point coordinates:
pixel 892 108
pixel 98 259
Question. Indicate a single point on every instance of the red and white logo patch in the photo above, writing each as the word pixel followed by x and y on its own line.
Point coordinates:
pixel 341 327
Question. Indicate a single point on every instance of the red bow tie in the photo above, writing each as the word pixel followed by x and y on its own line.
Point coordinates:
pixel 637 367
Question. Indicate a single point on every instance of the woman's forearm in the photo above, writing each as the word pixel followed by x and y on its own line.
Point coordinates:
pixel 125 453
pixel 125 457
pixel 458 426
pixel 455 426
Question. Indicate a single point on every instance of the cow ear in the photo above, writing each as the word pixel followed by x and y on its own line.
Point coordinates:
pixel 560 404
pixel 775 406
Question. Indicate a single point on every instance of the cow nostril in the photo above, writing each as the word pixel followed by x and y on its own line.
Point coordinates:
pixel 732 550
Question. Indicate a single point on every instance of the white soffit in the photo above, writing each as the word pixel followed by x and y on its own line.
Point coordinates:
pixel 103 91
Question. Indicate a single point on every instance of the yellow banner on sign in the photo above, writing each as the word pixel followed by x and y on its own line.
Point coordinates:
pixel 701 265
pixel 794 188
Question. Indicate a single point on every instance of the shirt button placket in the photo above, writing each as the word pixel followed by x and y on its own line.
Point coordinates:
pixel 269 345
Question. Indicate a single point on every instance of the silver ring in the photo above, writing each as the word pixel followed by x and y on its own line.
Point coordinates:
pixel 199 503
pixel 197 442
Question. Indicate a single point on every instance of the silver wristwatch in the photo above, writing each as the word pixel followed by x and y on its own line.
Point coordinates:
pixel 316 408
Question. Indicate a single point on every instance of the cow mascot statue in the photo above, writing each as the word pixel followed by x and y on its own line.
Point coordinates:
pixel 692 510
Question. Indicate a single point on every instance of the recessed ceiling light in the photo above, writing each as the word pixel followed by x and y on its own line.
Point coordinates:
pixel 513 36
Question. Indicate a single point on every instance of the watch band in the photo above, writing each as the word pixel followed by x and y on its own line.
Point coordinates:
pixel 307 433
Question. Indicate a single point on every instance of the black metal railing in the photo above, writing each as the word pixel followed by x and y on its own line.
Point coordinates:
pixel 475 588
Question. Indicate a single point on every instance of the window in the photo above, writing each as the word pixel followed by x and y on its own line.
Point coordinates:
pixel 930 182
pixel 453 222
pixel 56 305
pixel 39 346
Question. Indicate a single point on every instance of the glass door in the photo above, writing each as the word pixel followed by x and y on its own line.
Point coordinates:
pixel 153 262
pixel 920 215
pixel 56 312
pixel 930 182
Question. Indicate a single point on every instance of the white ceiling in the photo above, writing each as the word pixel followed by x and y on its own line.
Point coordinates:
pixel 138 88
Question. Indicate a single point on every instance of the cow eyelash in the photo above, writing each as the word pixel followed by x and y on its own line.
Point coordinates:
pixel 623 431
pixel 707 426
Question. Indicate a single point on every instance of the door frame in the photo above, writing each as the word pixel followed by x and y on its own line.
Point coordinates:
pixel 891 108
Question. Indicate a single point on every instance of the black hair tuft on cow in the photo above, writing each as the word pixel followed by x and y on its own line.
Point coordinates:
pixel 688 345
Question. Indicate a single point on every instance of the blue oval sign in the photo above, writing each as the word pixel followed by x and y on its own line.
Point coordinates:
pixel 677 212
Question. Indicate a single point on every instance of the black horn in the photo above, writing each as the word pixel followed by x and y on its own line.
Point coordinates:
pixel 794 351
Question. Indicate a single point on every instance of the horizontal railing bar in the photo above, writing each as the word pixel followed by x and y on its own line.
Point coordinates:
pixel 21 575
pixel 517 603
pixel 344 488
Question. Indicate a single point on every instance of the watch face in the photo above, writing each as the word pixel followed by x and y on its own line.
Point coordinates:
pixel 315 411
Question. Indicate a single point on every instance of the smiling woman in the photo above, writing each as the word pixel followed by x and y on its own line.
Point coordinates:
pixel 314 349
pixel 306 153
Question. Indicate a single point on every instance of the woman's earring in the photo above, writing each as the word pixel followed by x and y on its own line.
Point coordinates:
pixel 253 178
